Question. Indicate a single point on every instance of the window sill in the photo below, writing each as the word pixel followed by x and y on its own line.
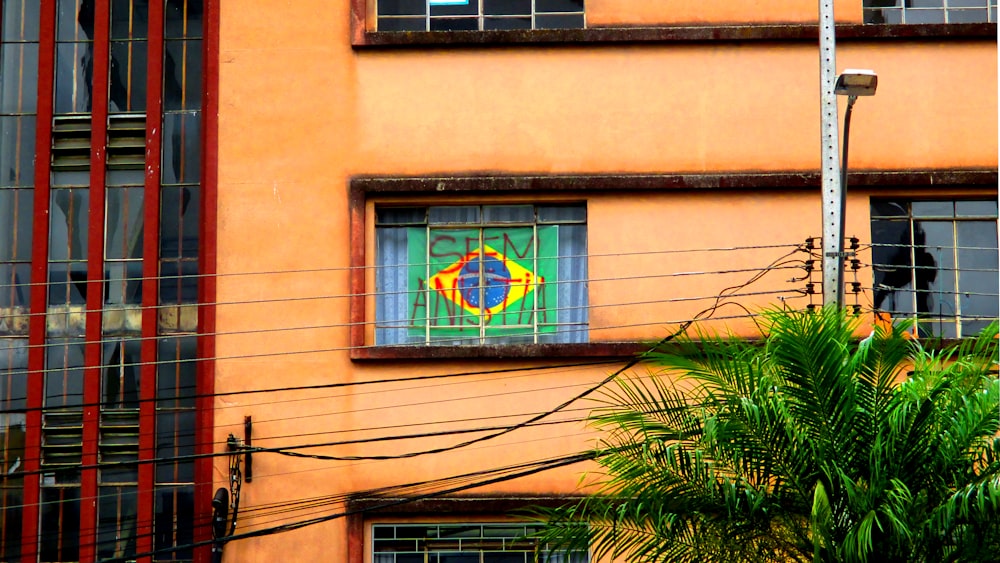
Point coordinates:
pixel 502 352
pixel 671 34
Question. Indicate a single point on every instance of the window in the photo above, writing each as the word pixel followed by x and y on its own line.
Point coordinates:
pixel 462 543
pixel 474 275
pixel 930 11
pixel 126 313
pixel 936 262
pixel 478 15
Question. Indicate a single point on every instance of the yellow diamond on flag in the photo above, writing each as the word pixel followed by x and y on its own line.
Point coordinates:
pixel 486 281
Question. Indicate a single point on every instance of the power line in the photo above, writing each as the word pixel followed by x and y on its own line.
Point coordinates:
pixel 415 264
pixel 584 328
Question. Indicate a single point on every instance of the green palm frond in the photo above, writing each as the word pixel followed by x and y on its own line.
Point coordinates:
pixel 808 446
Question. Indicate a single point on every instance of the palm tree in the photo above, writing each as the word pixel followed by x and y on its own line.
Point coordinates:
pixel 807 446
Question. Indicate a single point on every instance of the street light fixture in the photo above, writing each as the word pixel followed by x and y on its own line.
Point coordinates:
pixel 851 83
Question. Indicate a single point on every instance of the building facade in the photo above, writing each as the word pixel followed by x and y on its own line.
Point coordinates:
pixel 361 266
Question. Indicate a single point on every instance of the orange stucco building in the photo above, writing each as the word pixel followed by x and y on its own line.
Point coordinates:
pixel 430 230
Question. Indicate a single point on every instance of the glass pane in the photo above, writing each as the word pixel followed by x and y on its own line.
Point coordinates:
pixel 506 23
pixel 11 501
pixel 509 213
pixel 18 77
pixel 116 523
pixel 455 8
pixel 13 385
pixel 506 558
pixel 128 77
pixel 968 16
pixel 74 63
pixel 68 284
pixel 453 214
pixel 176 372
pixel 402 24
pixel 559 22
pixel 179 212
pixel 986 208
pixel 978 273
pixel 889 208
pixel 129 19
pixel 559 5
pixel 934 275
pixel 449 277
pixel 123 233
pixel 64 377
pixel 572 297
pixel 122 285
pixel 173 522
pixel 507 7
pixel 181 148
pixel 69 209
pixel 182 75
pixel 120 381
pixel 178 282
pixel 562 213
pixel 402 7
pixel 74 20
pixel 393 304
pixel 400 215
pixel 924 16
pixel 174 438
pixel 15 291
pixel 20 20
pixel 60 524
pixel 892 261
pixel 183 18
pixel 17 151
pixel 454 24
pixel 16 207
pixel 968 3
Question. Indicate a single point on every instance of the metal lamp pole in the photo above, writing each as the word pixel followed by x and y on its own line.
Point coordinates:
pixel 852 83
pixel 829 169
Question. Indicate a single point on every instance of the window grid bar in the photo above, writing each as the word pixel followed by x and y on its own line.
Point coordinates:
pixel 538 288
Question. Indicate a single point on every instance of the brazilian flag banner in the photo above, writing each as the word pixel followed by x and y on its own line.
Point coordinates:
pixel 497 280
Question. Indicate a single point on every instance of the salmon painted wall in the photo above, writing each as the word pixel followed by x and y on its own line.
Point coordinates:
pixel 301 112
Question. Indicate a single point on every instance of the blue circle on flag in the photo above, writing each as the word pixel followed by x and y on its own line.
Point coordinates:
pixel 495 282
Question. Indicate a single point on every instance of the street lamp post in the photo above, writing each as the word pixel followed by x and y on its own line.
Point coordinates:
pixel 851 83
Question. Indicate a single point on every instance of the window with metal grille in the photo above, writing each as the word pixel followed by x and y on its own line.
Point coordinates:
pixel 479 15
pixel 463 543
pixel 936 264
pixel 481 274
pixel 930 11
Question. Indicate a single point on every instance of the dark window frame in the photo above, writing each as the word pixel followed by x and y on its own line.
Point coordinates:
pixel 917 279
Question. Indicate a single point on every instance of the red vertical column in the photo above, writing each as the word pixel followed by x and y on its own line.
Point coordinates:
pixel 150 283
pixel 205 402
pixel 39 283
pixel 93 348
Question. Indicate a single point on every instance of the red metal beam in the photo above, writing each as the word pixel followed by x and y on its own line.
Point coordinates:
pixel 39 284
pixel 93 347
pixel 150 282
pixel 205 403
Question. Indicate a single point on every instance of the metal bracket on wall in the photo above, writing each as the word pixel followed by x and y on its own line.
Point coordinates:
pixel 248 448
